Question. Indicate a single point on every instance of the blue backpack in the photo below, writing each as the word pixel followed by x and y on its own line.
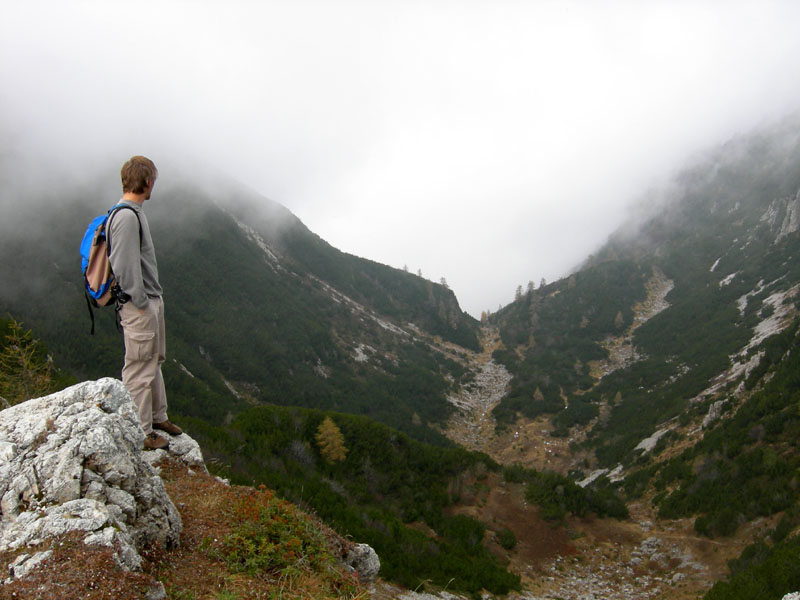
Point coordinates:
pixel 101 287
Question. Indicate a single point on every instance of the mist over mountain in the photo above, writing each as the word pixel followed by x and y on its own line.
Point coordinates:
pixel 657 380
pixel 260 308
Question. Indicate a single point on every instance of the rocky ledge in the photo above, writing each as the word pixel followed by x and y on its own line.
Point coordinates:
pixel 72 463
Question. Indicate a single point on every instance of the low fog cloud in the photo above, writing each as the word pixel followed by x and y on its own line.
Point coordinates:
pixel 487 142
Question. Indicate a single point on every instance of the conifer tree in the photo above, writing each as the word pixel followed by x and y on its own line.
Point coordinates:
pixel 330 441
pixel 24 374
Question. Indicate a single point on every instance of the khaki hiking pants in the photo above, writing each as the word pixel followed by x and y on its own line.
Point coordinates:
pixel 145 350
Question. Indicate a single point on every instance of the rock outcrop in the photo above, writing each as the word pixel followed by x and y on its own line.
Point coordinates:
pixel 73 461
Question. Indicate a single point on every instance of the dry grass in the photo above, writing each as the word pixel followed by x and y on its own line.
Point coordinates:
pixel 197 570
pixel 76 571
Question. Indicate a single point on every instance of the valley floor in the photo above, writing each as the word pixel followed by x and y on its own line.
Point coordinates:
pixel 641 557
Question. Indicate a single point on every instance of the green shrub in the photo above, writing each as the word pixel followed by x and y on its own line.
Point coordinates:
pixel 272 536
pixel 507 538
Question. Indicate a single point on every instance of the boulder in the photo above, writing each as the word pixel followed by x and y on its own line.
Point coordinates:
pixel 363 560
pixel 73 461
pixel 183 448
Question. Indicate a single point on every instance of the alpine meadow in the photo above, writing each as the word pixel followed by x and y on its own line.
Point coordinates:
pixel 628 431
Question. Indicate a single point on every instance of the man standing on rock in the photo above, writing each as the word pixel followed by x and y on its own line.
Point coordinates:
pixel 133 261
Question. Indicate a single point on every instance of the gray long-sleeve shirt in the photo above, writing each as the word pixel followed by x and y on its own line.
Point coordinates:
pixel 134 264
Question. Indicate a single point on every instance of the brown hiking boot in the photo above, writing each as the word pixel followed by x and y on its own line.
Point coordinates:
pixel 153 441
pixel 169 427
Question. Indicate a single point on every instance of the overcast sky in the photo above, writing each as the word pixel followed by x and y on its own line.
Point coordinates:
pixel 488 142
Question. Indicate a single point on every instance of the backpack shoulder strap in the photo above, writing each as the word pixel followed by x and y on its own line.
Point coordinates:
pixel 112 211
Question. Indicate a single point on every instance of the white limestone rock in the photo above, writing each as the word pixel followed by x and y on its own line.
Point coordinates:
pixel 73 461
pixel 25 563
pixel 183 448
pixel 714 413
pixel 791 220
pixel 364 561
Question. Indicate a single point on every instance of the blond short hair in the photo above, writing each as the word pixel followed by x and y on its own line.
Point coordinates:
pixel 138 174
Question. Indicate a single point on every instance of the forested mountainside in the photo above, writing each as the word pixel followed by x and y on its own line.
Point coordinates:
pixel 669 360
pixel 259 309
pixel 639 334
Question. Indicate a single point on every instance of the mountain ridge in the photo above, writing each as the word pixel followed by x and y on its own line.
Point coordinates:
pixel 306 309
